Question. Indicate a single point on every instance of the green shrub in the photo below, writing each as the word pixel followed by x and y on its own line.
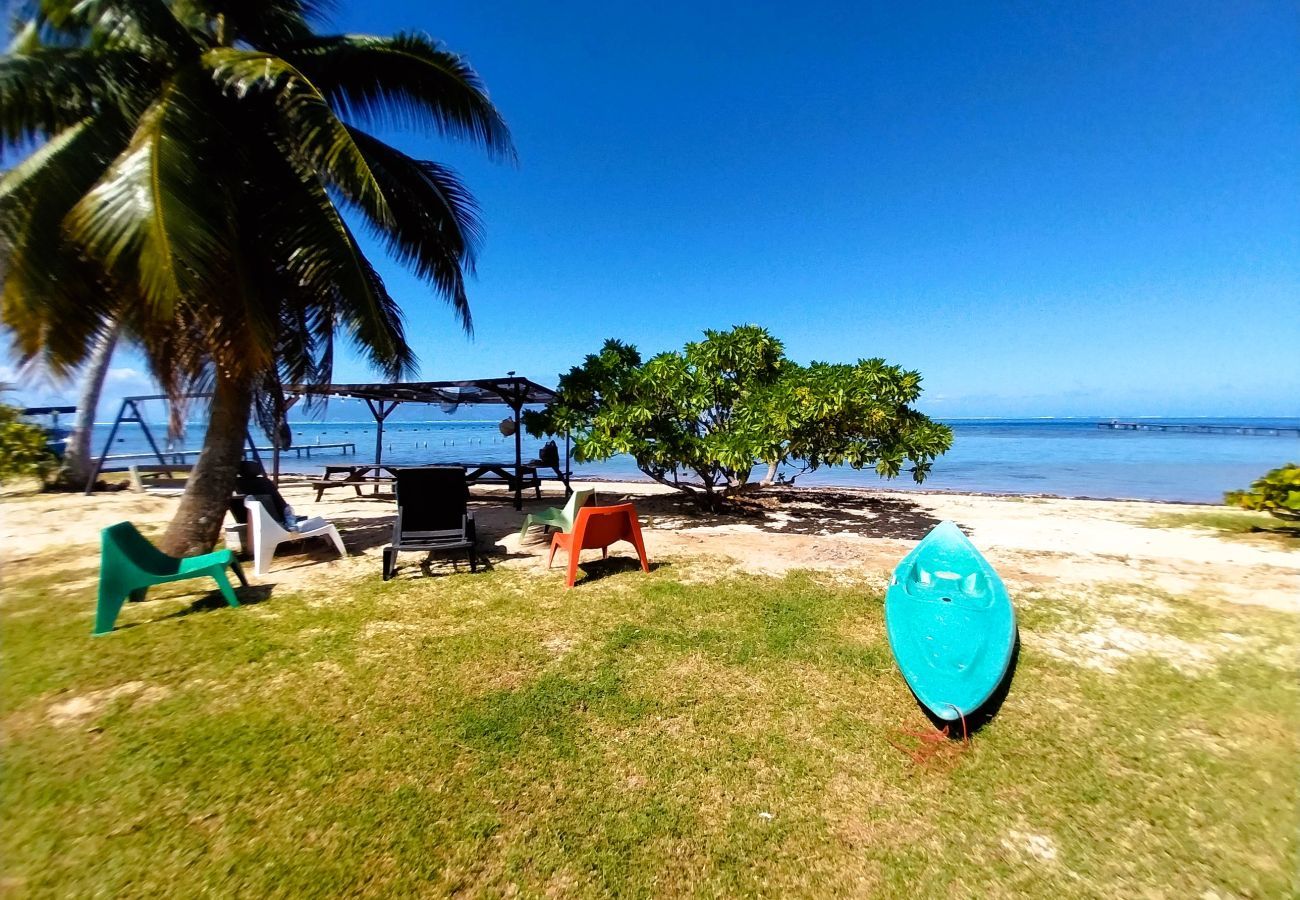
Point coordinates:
pixel 1277 492
pixel 23 450
pixel 703 418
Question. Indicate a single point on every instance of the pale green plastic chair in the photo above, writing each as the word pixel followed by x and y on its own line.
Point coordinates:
pixel 129 565
pixel 559 519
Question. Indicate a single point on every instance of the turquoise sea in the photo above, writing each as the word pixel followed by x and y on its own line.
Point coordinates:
pixel 1062 457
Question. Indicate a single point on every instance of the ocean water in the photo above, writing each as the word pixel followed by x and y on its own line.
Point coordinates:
pixel 1061 457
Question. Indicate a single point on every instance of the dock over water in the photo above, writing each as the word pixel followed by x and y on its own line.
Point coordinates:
pixel 1195 428
pixel 179 456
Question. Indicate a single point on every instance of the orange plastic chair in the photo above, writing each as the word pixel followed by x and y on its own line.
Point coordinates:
pixel 599 526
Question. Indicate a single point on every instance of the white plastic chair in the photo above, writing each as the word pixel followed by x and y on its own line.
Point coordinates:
pixel 269 534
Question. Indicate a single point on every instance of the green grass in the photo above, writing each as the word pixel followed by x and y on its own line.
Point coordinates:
pixel 1233 523
pixel 637 735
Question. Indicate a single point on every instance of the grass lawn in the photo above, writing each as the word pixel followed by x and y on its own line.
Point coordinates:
pixel 641 735
pixel 1233 523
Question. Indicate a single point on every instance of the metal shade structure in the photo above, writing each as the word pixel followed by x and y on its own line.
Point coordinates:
pixel 382 398
pixel 511 391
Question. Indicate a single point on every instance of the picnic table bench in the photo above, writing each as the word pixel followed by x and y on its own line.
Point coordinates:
pixel 162 476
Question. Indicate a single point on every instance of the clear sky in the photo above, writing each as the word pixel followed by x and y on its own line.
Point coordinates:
pixel 1046 208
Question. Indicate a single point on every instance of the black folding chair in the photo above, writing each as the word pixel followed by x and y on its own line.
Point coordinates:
pixel 432 514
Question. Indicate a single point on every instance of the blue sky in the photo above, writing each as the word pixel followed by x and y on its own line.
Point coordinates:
pixel 1046 208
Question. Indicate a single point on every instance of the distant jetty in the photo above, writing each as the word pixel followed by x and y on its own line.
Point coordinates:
pixel 1263 430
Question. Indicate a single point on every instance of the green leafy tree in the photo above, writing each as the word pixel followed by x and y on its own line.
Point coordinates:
pixel 199 165
pixel 1276 492
pixel 703 419
pixel 23 447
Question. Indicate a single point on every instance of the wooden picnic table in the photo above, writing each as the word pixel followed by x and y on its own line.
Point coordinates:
pixel 516 477
pixel 352 476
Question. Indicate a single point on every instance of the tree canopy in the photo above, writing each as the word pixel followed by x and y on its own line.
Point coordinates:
pixel 24 447
pixel 198 165
pixel 1276 491
pixel 703 418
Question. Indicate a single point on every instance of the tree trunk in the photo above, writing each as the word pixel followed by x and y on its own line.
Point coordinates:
pixel 197 523
pixel 77 456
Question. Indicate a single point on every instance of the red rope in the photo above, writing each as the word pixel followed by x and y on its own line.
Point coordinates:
pixel 934 739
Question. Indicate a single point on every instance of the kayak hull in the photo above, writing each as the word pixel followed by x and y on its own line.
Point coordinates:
pixel 950 624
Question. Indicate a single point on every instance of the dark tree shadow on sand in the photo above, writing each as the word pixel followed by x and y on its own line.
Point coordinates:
pixel 808 511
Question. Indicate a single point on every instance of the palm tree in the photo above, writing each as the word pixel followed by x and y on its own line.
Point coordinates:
pixel 77 455
pixel 198 165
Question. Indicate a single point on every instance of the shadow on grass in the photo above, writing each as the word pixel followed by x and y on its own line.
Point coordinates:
pixel 1231 523
pixel 597 569
pixel 1285 531
pixel 442 563
pixel 211 600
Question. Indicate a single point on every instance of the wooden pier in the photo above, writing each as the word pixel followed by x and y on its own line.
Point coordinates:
pixel 1263 430
pixel 178 456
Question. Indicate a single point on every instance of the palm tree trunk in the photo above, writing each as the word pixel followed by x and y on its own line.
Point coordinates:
pixel 197 523
pixel 77 456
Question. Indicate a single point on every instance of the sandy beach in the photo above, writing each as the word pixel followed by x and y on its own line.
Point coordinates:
pixel 1036 543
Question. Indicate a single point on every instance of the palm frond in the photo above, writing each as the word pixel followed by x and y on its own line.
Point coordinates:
pixel 145 25
pixel 44 23
pixel 407 81
pixel 322 267
pixel 378 328
pixel 435 228
pixel 53 302
pixel 50 89
pixel 263 24
pixel 158 218
pixel 304 124
pixel 194 162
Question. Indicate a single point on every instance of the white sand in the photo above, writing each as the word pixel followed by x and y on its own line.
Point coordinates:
pixel 1032 542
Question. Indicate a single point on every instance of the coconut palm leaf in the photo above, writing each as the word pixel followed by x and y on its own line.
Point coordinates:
pixel 50 89
pixel 303 122
pixel 145 25
pixel 435 228
pixel 322 264
pixel 263 24
pixel 406 81
pixel 44 23
pixel 50 301
pixel 157 219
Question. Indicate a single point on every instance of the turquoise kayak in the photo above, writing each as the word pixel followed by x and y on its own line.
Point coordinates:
pixel 950 623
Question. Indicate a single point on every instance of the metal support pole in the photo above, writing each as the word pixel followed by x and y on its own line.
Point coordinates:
pixel 108 445
pixel 281 419
pixel 519 458
pixel 380 413
pixel 252 448
pixel 139 417
pixel 568 471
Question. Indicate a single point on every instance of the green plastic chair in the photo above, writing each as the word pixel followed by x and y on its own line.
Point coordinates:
pixel 561 519
pixel 129 565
